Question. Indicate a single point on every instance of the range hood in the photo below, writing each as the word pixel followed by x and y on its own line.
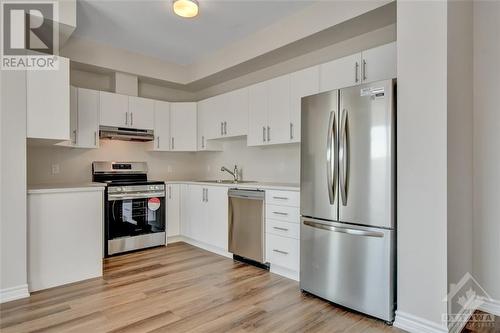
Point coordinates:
pixel 126 134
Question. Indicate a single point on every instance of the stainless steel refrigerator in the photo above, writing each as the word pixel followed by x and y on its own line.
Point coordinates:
pixel 347 249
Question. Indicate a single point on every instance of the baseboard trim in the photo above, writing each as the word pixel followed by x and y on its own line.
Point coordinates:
pixel 288 273
pixel 174 239
pixel 414 324
pixel 14 293
pixel 491 306
pixel 206 247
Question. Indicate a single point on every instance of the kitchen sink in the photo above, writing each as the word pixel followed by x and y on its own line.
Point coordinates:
pixel 220 181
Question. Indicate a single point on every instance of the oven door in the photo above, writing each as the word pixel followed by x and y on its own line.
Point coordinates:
pixel 134 221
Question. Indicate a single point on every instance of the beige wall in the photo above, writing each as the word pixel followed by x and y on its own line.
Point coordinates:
pixel 459 139
pixel 422 163
pixel 486 230
pixel 13 272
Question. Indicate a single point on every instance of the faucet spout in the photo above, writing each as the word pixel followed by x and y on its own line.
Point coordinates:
pixel 234 174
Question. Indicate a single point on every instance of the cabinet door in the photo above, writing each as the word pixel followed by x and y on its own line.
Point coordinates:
pixel 302 83
pixel 161 126
pixel 257 114
pixel 340 73
pixel 207 126
pixel 217 217
pixel 183 126
pixel 278 129
pixel 73 114
pixel 88 118
pixel 235 113
pixel 185 211
pixel 48 103
pixel 141 112
pixel 379 63
pixel 173 209
pixel 198 213
pixel 114 110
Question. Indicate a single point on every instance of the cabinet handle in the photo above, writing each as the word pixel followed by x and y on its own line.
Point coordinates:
pixel 263 134
pixel 74 137
pixel 364 70
pixel 126 118
pixel 279 228
pixel 202 141
pixel 221 128
pixel 173 143
pixel 158 142
pixel 268 133
pixel 95 138
pixel 131 118
pixel 291 131
pixel 225 128
pixel 206 195
pixel 280 213
pixel 279 251
pixel 356 69
pixel 170 192
pixel 280 198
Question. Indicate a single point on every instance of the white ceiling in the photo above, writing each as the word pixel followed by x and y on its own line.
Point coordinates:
pixel 151 28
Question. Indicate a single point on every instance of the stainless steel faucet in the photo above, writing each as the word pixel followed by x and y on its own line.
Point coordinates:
pixel 232 173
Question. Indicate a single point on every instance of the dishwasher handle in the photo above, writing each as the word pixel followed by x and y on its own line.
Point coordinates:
pixel 246 194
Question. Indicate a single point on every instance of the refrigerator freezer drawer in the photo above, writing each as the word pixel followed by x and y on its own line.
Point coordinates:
pixel 349 265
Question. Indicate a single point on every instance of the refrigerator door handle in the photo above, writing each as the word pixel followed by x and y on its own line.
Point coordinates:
pixel 344 156
pixel 350 231
pixel 331 157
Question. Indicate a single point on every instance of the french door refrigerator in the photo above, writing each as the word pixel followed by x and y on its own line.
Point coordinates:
pixel 348 198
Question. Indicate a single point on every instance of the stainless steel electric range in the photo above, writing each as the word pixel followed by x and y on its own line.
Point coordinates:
pixel 134 206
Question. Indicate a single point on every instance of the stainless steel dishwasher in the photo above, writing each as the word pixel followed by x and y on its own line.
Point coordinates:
pixel 246 224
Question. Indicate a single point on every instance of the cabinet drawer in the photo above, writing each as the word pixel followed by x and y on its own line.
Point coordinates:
pixel 282 251
pixel 284 198
pixel 281 228
pixel 282 213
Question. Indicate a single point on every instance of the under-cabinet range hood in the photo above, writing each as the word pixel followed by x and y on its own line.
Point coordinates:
pixel 126 134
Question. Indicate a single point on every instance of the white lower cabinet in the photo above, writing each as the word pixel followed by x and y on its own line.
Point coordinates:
pixel 65 233
pixel 173 209
pixel 283 232
pixel 204 215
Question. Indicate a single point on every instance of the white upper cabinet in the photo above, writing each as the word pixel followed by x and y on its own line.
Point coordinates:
pixel 379 63
pixel 87 133
pixel 48 103
pixel 302 83
pixel 372 65
pixel 257 114
pixel 234 113
pixel 114 110
pixel 183 129
pixel 207 125
pixel 278 125
pixel 340 73
pixel 161 126
pixel 141 112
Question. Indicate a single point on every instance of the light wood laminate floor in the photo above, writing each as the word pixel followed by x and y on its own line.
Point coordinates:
pixel 181 288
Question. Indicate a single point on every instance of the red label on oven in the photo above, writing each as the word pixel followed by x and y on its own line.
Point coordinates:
pixel 153 204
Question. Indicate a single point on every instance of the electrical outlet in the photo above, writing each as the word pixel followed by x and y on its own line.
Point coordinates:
pixel 55 169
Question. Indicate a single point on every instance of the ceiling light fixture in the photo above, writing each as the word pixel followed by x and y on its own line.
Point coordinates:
pixel 185 8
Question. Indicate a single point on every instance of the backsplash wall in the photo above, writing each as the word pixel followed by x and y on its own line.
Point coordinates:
pixel 273 163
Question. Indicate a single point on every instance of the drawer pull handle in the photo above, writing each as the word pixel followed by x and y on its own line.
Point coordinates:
pixel 280 213
pixel 280 198
pixel 279 251
pixel 279 228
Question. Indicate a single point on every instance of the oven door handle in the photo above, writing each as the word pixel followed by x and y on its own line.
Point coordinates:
pixel 136 195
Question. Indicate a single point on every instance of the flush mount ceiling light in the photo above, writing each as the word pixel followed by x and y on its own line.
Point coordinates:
pixel 185 8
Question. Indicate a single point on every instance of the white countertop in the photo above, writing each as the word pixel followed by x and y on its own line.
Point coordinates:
pixel 65 187
pixel 258 185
